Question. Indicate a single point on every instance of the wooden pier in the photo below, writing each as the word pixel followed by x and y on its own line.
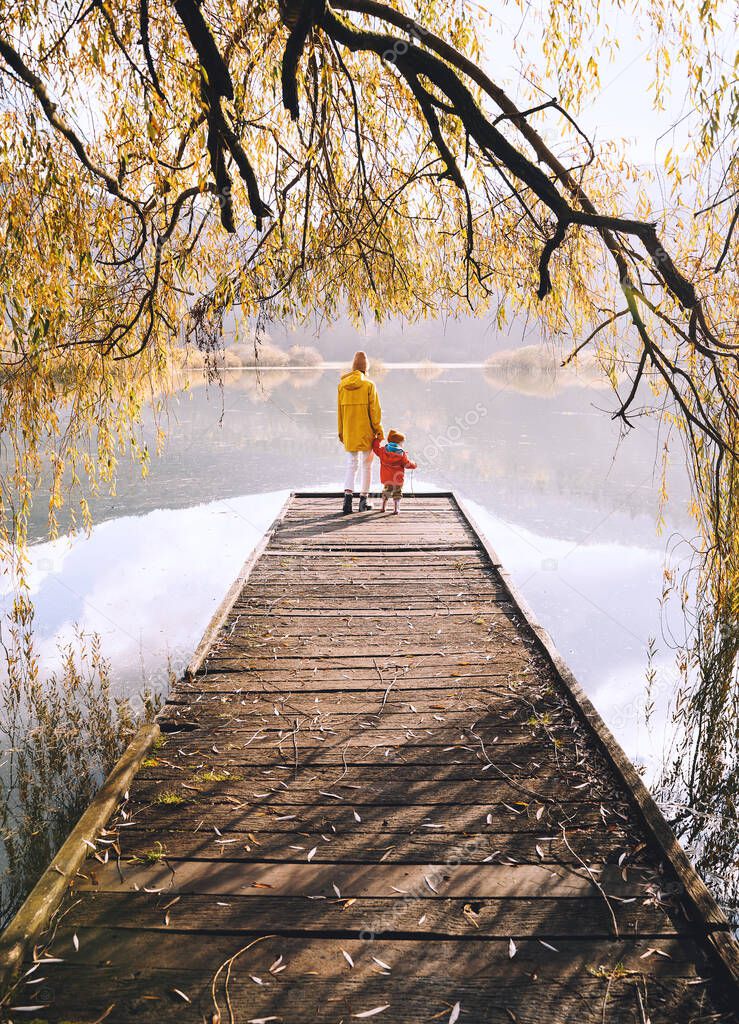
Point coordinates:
pixel 377 794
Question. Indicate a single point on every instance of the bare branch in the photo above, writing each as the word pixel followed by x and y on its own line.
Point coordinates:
pixel 727 243
pixel 146 46
pixel 598 329
pixel 550 246
pixel 310 12
pixel 214 67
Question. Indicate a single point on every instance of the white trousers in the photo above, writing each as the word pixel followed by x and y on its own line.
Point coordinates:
pixel 363 462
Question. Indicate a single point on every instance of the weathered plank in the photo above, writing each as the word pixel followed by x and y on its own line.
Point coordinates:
pixel 249 813
pixel 402 916
pixel 266 879
pixel 369 845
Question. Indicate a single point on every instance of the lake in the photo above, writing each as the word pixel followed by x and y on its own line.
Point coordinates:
pixel 569 504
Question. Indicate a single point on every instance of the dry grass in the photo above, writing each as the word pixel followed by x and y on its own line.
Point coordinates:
pixel 60 735
pixel 263 353
pixel 239 354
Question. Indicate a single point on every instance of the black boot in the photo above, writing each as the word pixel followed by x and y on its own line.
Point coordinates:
pixel 347 504
pixel 364 505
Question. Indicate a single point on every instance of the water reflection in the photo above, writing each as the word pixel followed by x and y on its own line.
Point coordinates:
pixel 552 463
pixel 147 584
pixel 570 508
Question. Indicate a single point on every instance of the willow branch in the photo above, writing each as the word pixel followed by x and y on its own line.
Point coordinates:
pixel 601 326
pixel 727 243
pixel 146 46
pixel 213 65
pixel 258 207
pixel 310 12
pixel 216 85
pixel 51 111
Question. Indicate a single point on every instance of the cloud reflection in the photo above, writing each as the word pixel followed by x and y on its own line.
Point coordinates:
pixel 149 585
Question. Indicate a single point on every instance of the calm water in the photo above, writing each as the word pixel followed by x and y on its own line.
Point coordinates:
pixel 570 508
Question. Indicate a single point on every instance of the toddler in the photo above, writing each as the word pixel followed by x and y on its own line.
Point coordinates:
pixel 393 464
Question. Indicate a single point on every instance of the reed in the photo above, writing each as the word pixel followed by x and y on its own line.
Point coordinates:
pixel 60 734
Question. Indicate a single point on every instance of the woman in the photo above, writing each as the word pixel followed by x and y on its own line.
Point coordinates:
pixel 360 422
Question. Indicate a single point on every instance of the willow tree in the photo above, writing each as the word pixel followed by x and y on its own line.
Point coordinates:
pixel 164 163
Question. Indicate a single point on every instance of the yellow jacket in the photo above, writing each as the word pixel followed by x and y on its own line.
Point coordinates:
pixel 360 415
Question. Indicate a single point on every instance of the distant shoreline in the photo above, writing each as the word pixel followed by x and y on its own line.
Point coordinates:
pixel 345 366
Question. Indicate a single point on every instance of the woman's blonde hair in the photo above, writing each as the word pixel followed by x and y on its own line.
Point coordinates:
pixel 360 362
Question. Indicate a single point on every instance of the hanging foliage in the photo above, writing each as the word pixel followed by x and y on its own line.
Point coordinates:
pixel 162 164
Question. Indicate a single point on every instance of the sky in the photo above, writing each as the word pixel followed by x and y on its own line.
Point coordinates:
pixel 622 109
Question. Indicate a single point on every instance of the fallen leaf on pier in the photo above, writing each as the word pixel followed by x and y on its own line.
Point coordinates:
pixel 470 915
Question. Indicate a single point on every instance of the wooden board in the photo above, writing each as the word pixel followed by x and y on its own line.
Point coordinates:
pixel 374 789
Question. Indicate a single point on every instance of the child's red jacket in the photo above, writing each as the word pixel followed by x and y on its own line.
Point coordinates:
pixel 393 463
